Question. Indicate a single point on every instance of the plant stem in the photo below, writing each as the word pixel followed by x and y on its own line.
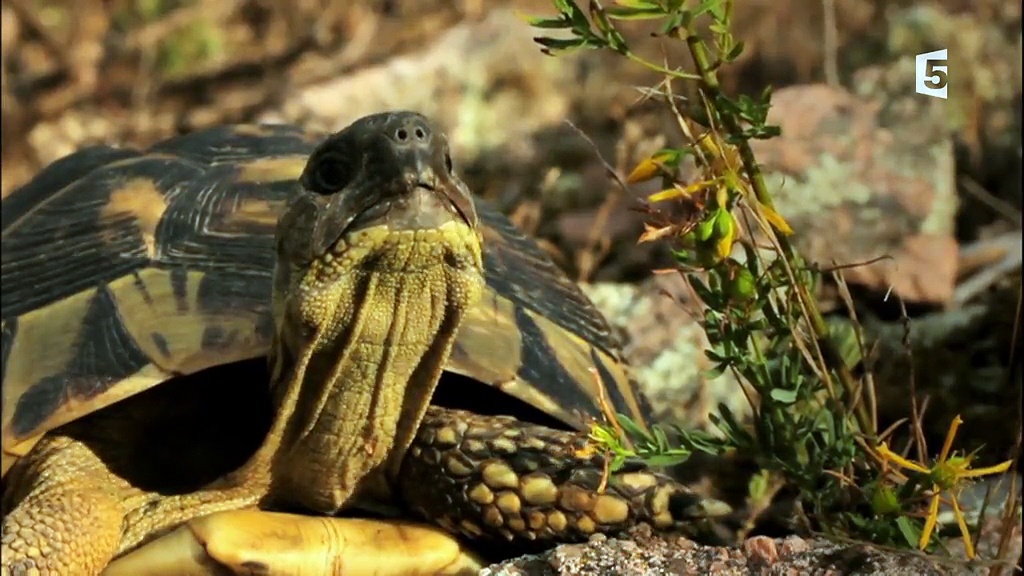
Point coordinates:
pixel 710 84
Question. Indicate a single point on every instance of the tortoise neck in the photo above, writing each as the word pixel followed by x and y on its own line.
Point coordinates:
pixel 350 398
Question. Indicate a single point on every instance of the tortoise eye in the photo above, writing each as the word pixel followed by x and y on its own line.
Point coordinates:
pixel 332 173
pixel 448 162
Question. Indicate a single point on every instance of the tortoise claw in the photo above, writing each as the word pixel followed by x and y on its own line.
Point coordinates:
pixel 257 542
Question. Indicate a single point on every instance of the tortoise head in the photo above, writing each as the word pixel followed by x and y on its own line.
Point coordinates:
pixel 378 259
pixel 379 196
pixel 391 172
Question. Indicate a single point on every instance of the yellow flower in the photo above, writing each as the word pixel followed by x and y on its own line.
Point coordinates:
pixel 681 191
pixel 946 475
pixel 653 166
pixel 776 220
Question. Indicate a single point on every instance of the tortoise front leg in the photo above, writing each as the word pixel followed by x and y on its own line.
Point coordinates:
pixel 62 512
pixel 67 512
pixel 496 477
pixel 258 542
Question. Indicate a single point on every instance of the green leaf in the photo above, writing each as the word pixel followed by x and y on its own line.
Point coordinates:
pixel 677 20
pixel 671 157
pixel 758 485
pixel 660 438
pixel 578 18
pixel 638 4
pixel 635 13
pixel 734 52
pixel 612 36
pixel 718 28
pixel 715 371
pixel 782 396
pixel 632 429
pixel 684 257
pixel 909 529
pixel 606 437
pixel 712 6
pixel 727 417
pixel 716 356
pixel 560 44
pixel 617 461
pixel 550 23
pixel 702 290
pixel 766 132
pixel 706 227
pixel 691 440
pixel 668 459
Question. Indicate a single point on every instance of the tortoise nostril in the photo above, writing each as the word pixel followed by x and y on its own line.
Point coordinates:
pixel 411 132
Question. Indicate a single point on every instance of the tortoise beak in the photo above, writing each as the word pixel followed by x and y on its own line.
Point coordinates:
pixel 422 151
pixel 433 196
pixel 421 170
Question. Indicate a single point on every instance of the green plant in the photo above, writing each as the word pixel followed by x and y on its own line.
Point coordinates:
pixel 811 425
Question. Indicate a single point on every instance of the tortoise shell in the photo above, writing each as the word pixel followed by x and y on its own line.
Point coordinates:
pixel 122 269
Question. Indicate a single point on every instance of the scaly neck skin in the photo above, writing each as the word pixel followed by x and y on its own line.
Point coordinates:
pixel 353 392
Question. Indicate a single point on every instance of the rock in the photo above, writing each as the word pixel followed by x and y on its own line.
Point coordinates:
pixel 643 553
pixel 665 348
pixel 983 105
pixel 857 186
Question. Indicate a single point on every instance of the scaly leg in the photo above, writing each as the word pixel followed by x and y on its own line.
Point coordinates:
pixel 495 477
pixel 67 515
pixel 71 514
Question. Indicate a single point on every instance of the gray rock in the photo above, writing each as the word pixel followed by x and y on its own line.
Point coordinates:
pixel 644 553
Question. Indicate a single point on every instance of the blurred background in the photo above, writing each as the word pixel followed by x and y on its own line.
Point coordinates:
pixel 865 167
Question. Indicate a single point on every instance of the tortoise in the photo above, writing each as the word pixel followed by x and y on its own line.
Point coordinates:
pixel 335 324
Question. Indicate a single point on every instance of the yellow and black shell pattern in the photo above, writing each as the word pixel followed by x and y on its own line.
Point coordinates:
pixel 122 269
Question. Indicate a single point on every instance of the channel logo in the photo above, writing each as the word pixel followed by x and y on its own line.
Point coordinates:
pixel 931 75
